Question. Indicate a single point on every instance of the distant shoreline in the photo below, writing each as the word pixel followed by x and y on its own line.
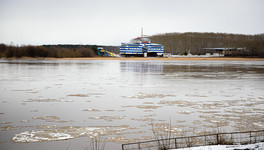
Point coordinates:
pixel 140 58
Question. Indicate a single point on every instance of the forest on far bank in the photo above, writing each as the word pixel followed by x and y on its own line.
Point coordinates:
pixel 181 43
pixel 56 51
pixel 174 43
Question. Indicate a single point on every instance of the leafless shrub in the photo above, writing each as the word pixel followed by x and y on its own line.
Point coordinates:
pixel 163 139
pixel 95 144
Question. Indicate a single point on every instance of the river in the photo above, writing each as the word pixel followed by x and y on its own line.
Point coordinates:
pixel 64 104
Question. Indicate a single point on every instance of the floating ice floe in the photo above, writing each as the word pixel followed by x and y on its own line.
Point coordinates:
pixel 24 121
pixel 47 118
pixel 61 136
pixel 90 109
pixel 53 133
pixel 7 128
pixel 258 124
pixel 148 95
pixel 42 100
pixel 108 118
pixel 184 112
pixel 38 136
pixel 5 122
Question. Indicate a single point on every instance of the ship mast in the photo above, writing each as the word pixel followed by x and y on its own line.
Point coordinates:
pixel 141 31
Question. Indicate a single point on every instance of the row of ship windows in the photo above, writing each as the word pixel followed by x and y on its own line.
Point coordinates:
pixel 141 48
pixel 135 53
pixel 139 51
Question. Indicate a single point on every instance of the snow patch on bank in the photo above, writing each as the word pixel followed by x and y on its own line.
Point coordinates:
pixel 257 146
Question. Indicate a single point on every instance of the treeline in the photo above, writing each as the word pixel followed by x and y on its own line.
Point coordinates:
pixel 57 51
pixel 181 43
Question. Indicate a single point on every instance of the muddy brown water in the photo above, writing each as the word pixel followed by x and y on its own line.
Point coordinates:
pixel 63 104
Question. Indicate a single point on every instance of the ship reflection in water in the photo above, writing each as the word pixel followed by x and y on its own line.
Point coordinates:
pixel 142 67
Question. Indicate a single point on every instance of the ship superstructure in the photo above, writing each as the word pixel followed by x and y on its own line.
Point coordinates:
pixel 141 46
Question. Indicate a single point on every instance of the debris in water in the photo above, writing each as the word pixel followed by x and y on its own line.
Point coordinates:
pixel 47 118
pixel 7 128
pixel 4 122
pixel 34 110
pixel 109 110
pixel 148 103
pixel 79 95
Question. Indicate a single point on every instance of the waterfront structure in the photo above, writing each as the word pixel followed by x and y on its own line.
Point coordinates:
pixel 238 51
pixel 140 47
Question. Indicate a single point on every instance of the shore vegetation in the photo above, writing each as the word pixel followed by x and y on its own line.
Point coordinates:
pixel 55 51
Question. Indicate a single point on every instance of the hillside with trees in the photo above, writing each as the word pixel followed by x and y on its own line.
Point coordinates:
pixel 181 43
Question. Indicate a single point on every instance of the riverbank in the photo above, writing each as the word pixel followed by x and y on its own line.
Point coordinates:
pixel 143 58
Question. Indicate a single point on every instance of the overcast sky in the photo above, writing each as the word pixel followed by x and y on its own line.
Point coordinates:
pixel 111 22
